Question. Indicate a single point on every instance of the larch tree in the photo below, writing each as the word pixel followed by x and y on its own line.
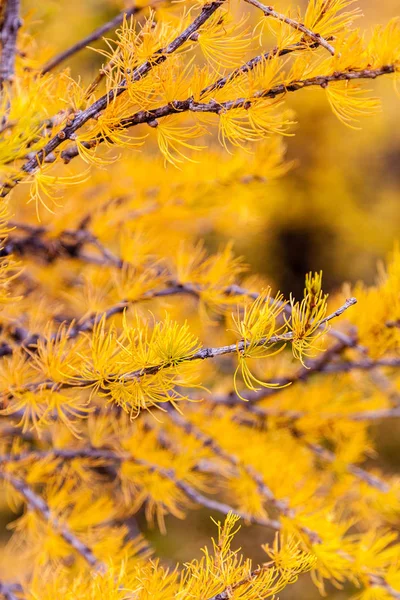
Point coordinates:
pixel 138 369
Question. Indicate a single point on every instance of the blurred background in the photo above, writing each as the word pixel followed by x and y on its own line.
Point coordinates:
pixel 336 209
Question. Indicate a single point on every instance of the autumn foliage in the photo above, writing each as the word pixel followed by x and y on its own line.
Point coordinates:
pixel 141 371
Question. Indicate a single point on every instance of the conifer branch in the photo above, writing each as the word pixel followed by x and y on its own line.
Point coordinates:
pixel 323 364
pixel 213 107
pixel 356 471
pixel 92 37
pixel 251 64
pixel 270 12
pixel 39 505
pixel 202 354
pixel 8 36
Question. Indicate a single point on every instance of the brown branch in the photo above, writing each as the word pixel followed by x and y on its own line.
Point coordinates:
pixel 213 107
pixel 356 471
pixel 250 65
pixel 92 37
pixel 201 500
pixel 37 503
pixel 322 364
pixel 270 12
pixel 8 37
pixel 202 354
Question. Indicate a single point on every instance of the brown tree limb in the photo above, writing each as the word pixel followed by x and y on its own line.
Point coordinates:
pixel 8 37
pixel 213 107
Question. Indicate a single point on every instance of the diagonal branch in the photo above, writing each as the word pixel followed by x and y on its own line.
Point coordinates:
pixel 209 442
pixel 37 503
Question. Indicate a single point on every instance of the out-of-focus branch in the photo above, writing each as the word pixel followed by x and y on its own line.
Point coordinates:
pixel 207 441
pixel 9 590
pixel 103 454
pixel 92 37
pixel 37 503
pixel 356 471
pixel 8 37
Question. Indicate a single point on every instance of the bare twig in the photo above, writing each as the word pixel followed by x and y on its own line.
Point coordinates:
pixel 250 65
pixel 37 503
pixel 8 36
pixel 92 37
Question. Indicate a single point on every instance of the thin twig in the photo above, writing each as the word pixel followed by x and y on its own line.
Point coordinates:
pixel 270 12
pixel 92 37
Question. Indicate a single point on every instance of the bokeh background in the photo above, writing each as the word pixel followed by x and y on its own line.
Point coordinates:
pixel 336 209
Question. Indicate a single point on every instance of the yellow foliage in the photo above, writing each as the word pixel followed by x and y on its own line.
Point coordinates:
pixel 145 370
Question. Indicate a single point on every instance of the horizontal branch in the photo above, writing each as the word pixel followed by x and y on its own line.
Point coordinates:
pixel 322 364
pixel 108 455
pixel 213 107
pixel 202 354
